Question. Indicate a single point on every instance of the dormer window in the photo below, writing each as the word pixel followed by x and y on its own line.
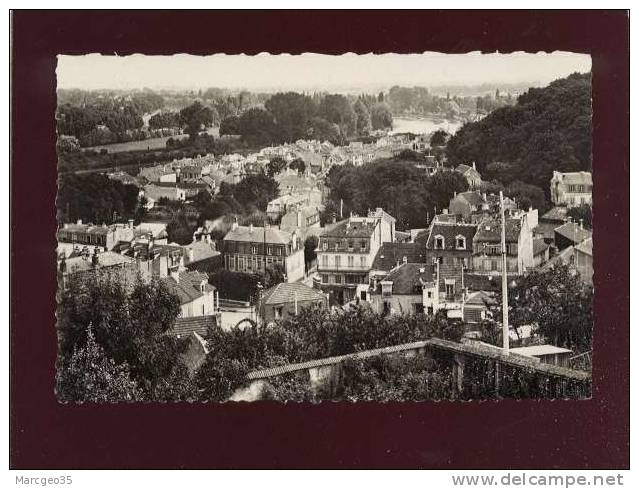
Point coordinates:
pixel 460 242
pixel 439 242
pixel 325 246
pixel 203 286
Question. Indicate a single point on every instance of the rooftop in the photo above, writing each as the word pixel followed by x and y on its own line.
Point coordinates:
pixel 350 228
pixel 575 178
pixel 285 293
pixel 490 231
pixel 556 214
pixel 390 255
pixel 474 198
pixel 105 259
pixel 409 278
pixel 585 246
pixel 182 327
pixel 254 234
pixel 449 231
pixel 187 288
pixel 574 232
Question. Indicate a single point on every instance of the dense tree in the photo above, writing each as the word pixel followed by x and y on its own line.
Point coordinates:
pixel 255 191
pixel 257 126
pixel 275 166
pixel 323 130
pixel 196 117
pixel 581 214
pixel 381 116
pixel 548 129
pixel 230 126
pixel 363 118
pixel 129 321
pixel 558 302
pixel 292 113
pixel 337 109
pixel 165 120
pixel 439 138
pixel 180 230
pixel 527 196
pixel 95 198
pixel 396 185
pixel 298 165
pixel 310 245
pixel 89 375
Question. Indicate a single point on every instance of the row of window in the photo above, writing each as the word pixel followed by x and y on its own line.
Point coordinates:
pixel 579 188
pixel 339 279
pixel 440 242
pixel 337 261
pixel 83 238
pixel 349 245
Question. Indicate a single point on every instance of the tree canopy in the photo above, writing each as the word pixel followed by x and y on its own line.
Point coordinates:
pixel 547 129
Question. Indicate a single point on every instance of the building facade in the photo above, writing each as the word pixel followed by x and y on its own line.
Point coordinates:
pixel 571 189
pixel 251 249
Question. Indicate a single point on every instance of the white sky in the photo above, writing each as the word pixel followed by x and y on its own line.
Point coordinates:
pixel 313 71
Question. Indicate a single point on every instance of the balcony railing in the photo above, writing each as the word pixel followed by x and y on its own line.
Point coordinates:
pixel 342 268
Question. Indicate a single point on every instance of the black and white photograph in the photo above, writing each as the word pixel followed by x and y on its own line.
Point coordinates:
pixel 393 227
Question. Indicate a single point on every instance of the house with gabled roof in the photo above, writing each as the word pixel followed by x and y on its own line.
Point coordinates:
pixel 288 299
pixel 465 204
pixel 487 258
pixel 571 188
pixel 570 234
pixel 471 175
pixel 196 295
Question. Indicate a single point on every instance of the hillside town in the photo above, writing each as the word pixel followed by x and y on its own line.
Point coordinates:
pixel 271 268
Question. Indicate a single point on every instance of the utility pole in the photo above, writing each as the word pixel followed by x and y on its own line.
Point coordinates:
pixel 504 277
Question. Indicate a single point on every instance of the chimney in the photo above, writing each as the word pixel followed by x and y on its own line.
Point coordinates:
pixel 208 238
pixel 130 223
pixel 299 219
pixel 175 274
pixel 234 225
pixel 202 237
pixel 444 211
pixel 79 222
pixel 455 193
pixel 474 167
pixel 404 260
pixel 581 223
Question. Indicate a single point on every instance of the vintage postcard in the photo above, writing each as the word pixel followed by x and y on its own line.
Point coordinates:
pixel 311 227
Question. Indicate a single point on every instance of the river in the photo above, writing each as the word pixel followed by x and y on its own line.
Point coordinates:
pixel 423 125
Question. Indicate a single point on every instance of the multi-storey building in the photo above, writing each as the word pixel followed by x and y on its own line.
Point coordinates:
pixel 251 249
pixel 346 251
pixel 487 257
pixel 571 189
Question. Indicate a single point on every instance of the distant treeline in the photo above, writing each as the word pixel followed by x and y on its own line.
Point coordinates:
pixel 290 116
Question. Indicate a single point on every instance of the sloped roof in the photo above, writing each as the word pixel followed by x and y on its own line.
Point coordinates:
pixel 350 228
pixel 257 235
pixel 577 178
pixel 585 246
pixel 474 198
pixel 201 251
pixel 574 232
pixel 390 254
pixel 183 327
pixel 105 259
pixel 556 214
pixel 490 231
pixel 285 293
pixel 408 278
pixel 480 298
pixel 188 287
pixel 450 231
